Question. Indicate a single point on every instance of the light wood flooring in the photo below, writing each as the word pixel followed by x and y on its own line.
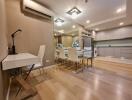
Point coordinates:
pixel 105 81
pixel 118 68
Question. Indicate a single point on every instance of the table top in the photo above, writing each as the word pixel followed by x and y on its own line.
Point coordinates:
pixel 19 60
pixel 19 56
pixel 86 53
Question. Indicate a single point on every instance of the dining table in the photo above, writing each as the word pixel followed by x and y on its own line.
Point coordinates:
pixel 85 53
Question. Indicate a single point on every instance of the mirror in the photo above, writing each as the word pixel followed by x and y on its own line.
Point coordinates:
pixel 66 33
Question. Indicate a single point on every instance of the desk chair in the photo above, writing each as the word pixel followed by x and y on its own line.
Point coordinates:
pixel 41 53
pixel 28 69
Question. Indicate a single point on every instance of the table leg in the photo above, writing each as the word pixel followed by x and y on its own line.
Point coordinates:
pixel 25 78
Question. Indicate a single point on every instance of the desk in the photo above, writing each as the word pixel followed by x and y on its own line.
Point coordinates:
pixel 19 60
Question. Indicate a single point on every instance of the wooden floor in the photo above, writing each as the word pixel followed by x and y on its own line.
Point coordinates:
pixel 102 82
pixel 91 84
pixel 118 68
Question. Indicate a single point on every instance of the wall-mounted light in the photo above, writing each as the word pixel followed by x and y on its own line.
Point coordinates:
pixel 74 12
pixel 59 22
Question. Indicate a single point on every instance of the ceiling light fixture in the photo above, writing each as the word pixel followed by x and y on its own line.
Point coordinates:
pixel 59 22
pixel 119 10
pixel 74 12
pixel 88 21
pixel 121 24
pixel 73 26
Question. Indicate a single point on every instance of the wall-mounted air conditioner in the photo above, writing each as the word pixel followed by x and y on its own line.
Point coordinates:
pixel 33 7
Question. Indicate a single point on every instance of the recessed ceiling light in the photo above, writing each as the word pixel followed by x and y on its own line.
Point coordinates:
pixel 119 10
pixel 88 21
pixel 61 31
pixel 121 24
pixel 97 29
pixel 74 12
pixel 93 32
pixel 73 26
pixel 59 22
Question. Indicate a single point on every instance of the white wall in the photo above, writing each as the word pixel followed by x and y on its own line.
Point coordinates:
pixel 35 31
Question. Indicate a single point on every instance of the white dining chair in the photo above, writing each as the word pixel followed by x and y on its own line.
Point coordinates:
pixel 87 54
pixel 41 53
pixel 62 56
pixel 38 66
pixel 57 51
pixel 73 57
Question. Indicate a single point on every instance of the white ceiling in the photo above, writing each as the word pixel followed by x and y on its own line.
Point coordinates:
pixel 101 13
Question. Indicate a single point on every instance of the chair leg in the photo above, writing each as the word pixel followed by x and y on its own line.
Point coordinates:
pixel 76 66
pixel 91 62
pixel 83 67
pixel 44 72
pixel 39 70
pixel 87 63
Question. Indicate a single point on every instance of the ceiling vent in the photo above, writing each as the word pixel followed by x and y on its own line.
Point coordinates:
pixel 37 9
